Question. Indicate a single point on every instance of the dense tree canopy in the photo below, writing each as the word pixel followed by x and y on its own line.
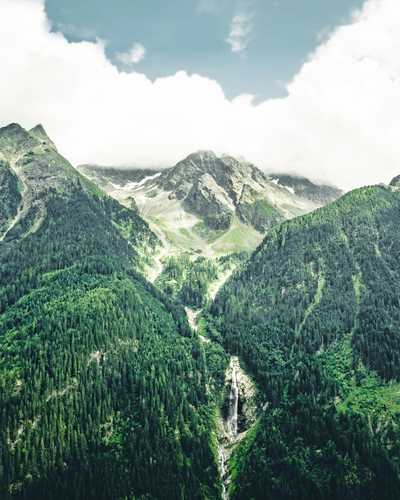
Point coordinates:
pixel 104 389
pixel 315 315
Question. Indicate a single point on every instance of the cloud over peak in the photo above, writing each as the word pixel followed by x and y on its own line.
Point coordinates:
pixel 340 121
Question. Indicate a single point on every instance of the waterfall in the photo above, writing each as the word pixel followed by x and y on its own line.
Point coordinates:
pixel 232 419
pixel 238 386
pixel 231 426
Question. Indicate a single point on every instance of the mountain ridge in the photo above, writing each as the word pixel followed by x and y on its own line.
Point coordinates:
pixel 103 387
pixel 209 204
pixel 32 164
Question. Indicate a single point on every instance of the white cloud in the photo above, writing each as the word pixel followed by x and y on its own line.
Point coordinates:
pixel 133 56
pixel 239 36
pixel 340 121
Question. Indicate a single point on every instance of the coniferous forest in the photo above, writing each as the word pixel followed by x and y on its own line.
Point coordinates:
pixel 315 316
pixel 106 392
pixel 103 386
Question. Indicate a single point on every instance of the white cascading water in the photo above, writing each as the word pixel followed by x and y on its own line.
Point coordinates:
pixel 231 426
pixel 232 419
pixel 239 385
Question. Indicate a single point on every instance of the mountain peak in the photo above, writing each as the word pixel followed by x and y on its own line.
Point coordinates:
pixel 201 159
pixel 38 129
pixel 39 133
pixel 203 154
pixel 13 139
pixel 11 127
pixel 13 131
pixel 34 159
pixel 395 182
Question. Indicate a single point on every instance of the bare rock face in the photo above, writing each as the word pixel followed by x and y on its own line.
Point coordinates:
pixel 218 188
pixel 209 204
pixel 302 187
pixel 395 182
pixel 10 197
pixel 210 201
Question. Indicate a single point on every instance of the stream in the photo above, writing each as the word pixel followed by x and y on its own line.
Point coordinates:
pixel 239 412
pixel 232 419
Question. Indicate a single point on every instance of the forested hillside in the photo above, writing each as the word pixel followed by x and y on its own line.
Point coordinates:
pixel 104 391
pixel 315 316
pixel 189 279
pixel 107 393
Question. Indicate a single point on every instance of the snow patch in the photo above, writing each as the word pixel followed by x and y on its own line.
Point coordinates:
pixel 288 188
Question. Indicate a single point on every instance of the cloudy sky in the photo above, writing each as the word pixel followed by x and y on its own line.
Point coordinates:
pixel 248 46
pixel 311 87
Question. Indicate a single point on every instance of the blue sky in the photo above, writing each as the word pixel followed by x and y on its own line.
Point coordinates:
pixel 193 35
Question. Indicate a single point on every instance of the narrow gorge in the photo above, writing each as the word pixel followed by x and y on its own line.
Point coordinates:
pixel 238 414
pixel 236 411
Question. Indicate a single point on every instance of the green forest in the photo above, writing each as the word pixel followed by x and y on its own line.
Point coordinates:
pixel 106 392
pixel 104 389
pixel 187 279
pixel 315 315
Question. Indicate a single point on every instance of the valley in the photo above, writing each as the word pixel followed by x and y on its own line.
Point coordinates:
pixel 206 331
pixel 199 250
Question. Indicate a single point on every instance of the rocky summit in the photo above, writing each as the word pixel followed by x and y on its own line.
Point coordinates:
pixel 212 204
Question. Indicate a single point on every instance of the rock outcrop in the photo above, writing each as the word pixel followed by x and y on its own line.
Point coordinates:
pixel 395 182
pixel 322 194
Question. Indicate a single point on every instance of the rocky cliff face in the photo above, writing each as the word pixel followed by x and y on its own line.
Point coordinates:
pixel 321 194
pixel 395 182
pixel 212 204
pixel 217 188
pixel 10 197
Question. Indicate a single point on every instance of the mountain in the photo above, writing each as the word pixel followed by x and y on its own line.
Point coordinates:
pixel 33 174
pixel 105 391
pixel 314 315
pixel 109 178
pixel 321 194
pixel 211 205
